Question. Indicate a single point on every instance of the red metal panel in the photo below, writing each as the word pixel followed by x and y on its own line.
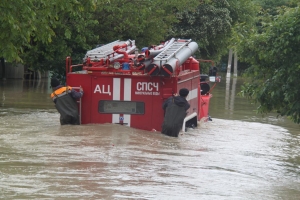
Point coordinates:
pixel 153 91
pixel 185 82
pixel 204 106
pixel 83 80
pixel 157 111
pixel 195 93
pixel 101 89
pixel 148 91
pixel 190 80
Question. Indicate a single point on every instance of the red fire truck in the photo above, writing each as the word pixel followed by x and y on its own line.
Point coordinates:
pixel 123 85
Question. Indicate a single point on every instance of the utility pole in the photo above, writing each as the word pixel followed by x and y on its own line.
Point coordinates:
pixel 235 64
pixel 229 64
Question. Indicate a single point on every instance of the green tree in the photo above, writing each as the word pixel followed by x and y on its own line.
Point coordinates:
pixel 272 5
pixel 146 21
pixel 72 36
pixel 275 65
pixel 211 24
pixel 25 22
pixel 57 29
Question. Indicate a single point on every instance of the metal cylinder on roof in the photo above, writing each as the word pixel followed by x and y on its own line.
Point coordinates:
pixel 152 53
pixel 179 58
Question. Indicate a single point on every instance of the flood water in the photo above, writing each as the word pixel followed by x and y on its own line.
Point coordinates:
pixel 238 155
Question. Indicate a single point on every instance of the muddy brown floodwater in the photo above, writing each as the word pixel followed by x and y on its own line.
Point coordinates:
pixel 238 155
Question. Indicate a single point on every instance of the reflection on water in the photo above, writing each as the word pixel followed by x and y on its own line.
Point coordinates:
pixel 25 94
pixel 239 108
pixel 233 157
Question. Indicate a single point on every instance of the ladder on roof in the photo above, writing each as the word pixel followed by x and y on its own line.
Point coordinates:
pixel 103 51
pixel 171 51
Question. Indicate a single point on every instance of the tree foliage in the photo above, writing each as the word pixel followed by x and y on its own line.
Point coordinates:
pixel 275 65
pixel 57 29
pixel 146 21
pixel 272 5
pixel 19 24
pixel 70 38
pixel 24 23
pixel 211 24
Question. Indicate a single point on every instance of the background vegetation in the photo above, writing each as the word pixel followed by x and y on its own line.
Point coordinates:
pixel 265 33
pixel 272 50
